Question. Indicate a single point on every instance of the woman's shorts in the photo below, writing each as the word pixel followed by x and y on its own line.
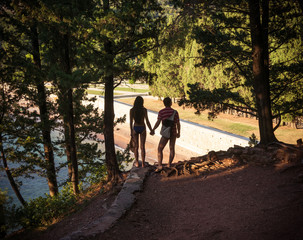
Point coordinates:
pixel 139 129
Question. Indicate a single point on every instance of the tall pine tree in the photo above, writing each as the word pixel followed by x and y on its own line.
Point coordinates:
pixel 120 31
pixel 246 38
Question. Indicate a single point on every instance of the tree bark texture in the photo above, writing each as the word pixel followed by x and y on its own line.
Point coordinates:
pixel 72 138
pixel 68 153
pixel 110 152
pixel 44 115
pixel 113 172
pixel 259 37
pixel 68 118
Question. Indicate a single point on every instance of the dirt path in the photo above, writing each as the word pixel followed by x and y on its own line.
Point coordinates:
pixel 247 202
pixel 100 203
pixel 242 203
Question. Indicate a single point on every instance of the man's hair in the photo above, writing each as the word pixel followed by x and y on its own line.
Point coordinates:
pixel 167 102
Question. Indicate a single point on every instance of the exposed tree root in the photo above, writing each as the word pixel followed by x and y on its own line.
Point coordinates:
pixel 216 161
pixel 116 182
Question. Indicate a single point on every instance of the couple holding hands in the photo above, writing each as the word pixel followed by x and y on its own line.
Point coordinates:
pixel 138 118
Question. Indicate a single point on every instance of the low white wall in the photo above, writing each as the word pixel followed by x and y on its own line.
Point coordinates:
pixel 195 137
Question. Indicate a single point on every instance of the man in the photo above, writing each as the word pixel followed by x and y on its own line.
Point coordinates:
pixel 165 113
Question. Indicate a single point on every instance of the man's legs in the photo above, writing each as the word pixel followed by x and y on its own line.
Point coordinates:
pixel 162 143
pixel 172 144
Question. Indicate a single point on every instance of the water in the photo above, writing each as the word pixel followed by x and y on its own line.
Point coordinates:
pixel 36 187
pixel 31 188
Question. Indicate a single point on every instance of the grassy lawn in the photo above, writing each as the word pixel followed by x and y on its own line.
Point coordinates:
pixel 95 92
pixel 99 93
pixel 225 122
pixel 131 89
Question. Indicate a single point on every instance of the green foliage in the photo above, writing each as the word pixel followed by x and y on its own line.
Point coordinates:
pixel 131 27
pixel 71 46
pixel 216 100
pixel 222 33
pixel 172 66
pixel 22 145
pixel 3 213
pixel 132 81
pixel 124 158
pixel 44 210
pixel 253 141
pixel 210 44
pixel 96 172
pixel 3 197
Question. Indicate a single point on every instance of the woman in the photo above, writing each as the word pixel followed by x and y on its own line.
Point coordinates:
pixel 138 117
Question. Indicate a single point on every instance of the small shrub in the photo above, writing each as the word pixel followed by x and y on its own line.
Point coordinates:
pixel 97 173
pixel 123 158
pixel 44 210
pixel 3 213
pixel 253 141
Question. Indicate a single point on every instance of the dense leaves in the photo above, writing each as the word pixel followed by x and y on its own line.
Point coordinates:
pixel 50 52
pixel 213 69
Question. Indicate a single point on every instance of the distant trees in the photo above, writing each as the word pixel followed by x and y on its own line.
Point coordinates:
pixel 171 65
pixel 247 56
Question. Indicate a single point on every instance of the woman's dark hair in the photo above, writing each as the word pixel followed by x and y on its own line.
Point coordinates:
pixel 138 109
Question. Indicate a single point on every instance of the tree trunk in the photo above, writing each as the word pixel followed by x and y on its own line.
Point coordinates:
pixel 44 115
pixel 9 175
pixel 72 138
pixel 301 5
pixel 68 114
pixel 110 152
pixel 259 37
pixel 68 153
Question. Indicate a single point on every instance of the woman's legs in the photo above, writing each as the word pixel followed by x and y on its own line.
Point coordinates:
pixel 136 138
pixel 142 146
